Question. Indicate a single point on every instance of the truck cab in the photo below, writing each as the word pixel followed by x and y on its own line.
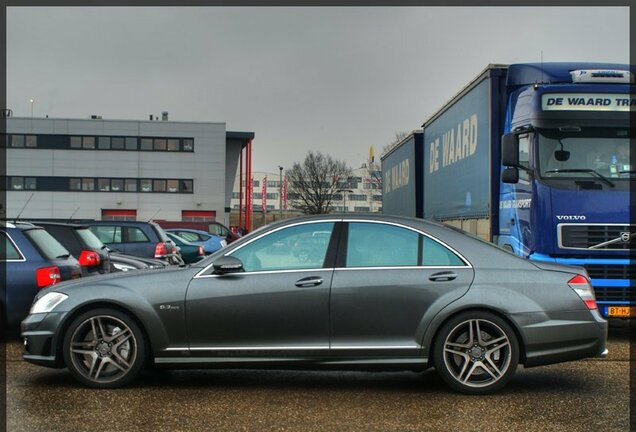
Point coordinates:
pixel 566 171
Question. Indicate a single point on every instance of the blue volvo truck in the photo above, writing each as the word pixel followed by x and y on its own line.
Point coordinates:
pixel 536 159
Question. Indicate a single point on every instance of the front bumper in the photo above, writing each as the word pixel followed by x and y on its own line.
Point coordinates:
pixel 40 338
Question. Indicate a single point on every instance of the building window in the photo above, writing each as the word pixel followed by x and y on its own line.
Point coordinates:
pixel 257 195
pixel 131 185
pixel 88 184
pixel 361 209
pixel 103 185
pixel 236 195
pixel 146 185
pixel 272 196
pixel 17 141
pixel 103 143
pixel 131 143
pixel 88 142
pixel 117 185
pixel 4 139
pixel 172 185
pixel 377 198
pixel 76 142
pixel 117 143
pixel 159 185
pixel 17 183
pixel 173 145
pixel 75 184
pixel 160 144
pixel 31 141
pixel 357 197
pixel 30 183
pixel 186 186
pixel 146 144
pixel 188 145
pixel 273 183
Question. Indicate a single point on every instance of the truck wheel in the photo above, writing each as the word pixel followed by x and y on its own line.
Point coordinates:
pixel 476 353
pixel 104 348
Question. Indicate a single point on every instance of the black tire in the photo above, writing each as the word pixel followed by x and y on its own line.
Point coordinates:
pixel 473 364
pixel 104 348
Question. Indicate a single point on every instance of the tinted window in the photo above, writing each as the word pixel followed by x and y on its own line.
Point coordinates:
pixel 434 254
pixel 107 234
pixel 135 235
pixel 9 252
pixel 298 247
pixel 89 238
pixel 46 244
pixel 188 236
pixel 381 245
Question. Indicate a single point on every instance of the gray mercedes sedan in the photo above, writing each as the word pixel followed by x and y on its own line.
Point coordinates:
pixel 334 291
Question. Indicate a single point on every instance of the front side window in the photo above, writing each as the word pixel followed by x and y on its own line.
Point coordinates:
pixel 381 245
pixel 297 247
pixel 107 233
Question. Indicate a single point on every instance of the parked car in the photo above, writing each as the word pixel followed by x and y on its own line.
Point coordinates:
pixel 80 241
pixel 138 238
pixel 124 262
pixel 215 228
pixel 431 296
pixel 190 252
pixel 210 242
pixel 32 259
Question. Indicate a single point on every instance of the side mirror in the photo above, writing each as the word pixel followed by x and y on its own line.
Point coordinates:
pixel 227 264
pixel 510 150
pixel 510 175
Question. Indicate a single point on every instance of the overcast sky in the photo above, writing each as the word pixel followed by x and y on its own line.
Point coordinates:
pixel 335 80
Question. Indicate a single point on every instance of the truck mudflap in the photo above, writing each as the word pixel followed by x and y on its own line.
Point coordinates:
pixel 611 278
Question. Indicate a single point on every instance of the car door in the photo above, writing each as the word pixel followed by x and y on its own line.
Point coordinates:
pixel 390 280
pixel 278 306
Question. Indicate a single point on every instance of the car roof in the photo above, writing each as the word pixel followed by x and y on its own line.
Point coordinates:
pixel 61 224
pixel 186 229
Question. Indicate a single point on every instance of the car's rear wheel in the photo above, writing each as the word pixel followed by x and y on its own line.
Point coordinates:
pixel 104 348
pixel 476 353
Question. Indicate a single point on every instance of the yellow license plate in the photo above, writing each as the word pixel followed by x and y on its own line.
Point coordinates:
pixel 621 311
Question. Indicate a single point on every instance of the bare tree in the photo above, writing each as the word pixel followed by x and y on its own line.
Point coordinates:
pixel 313 184
pixel 399 136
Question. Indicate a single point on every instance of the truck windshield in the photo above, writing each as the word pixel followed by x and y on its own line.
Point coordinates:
pixel 591 153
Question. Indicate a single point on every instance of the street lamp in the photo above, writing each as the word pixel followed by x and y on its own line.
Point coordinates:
pixel 344 198
pixel 32 102
pixel 280 190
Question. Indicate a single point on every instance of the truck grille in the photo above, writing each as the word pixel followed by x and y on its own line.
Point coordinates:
pixel 599 237
pixel 603 271
pixel 604 294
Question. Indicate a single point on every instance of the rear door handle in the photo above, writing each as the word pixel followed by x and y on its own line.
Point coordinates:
pixel 442 276
pixel 309 281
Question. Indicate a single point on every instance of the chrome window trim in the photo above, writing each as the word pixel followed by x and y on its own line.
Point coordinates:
pixel 560 235
pixel 467 263
pixel 201 273
pixel 266 272
pixel 461 257
pixel 400 268
pixel 23 258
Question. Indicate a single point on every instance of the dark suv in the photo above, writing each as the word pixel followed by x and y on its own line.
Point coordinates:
pixel 32 260
pixel 80 241
pixel 144 239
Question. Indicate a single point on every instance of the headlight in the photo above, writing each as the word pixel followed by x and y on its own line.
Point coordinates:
pixel 47 302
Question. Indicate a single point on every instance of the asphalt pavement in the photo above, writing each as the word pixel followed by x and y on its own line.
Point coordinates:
pixel 587 395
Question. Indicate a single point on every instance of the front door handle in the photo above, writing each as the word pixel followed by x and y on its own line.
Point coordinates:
pixel 309 281
pixel 442 276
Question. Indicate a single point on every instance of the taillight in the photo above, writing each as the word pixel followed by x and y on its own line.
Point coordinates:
pixel 89 258
pixel 201 252
pixel 46 276
pixel 160 250
pixel 581 285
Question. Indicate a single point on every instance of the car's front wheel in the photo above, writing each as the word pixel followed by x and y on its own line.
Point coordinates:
pixel 104 348
pixel 476 353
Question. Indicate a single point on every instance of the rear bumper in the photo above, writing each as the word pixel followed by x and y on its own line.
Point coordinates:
pixel 562 336
pixel 609 291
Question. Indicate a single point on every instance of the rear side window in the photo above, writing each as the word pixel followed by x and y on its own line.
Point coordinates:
pixel 380 245
pixel 46 244
pixel 160 232
pixel 89 238
pixel 188 236
pixel 434 254
pixel 9 252
pixel 107 233
pixel 135 235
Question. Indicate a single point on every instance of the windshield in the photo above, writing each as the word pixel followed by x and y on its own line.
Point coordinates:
pixel 90 239
pixel 585 153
